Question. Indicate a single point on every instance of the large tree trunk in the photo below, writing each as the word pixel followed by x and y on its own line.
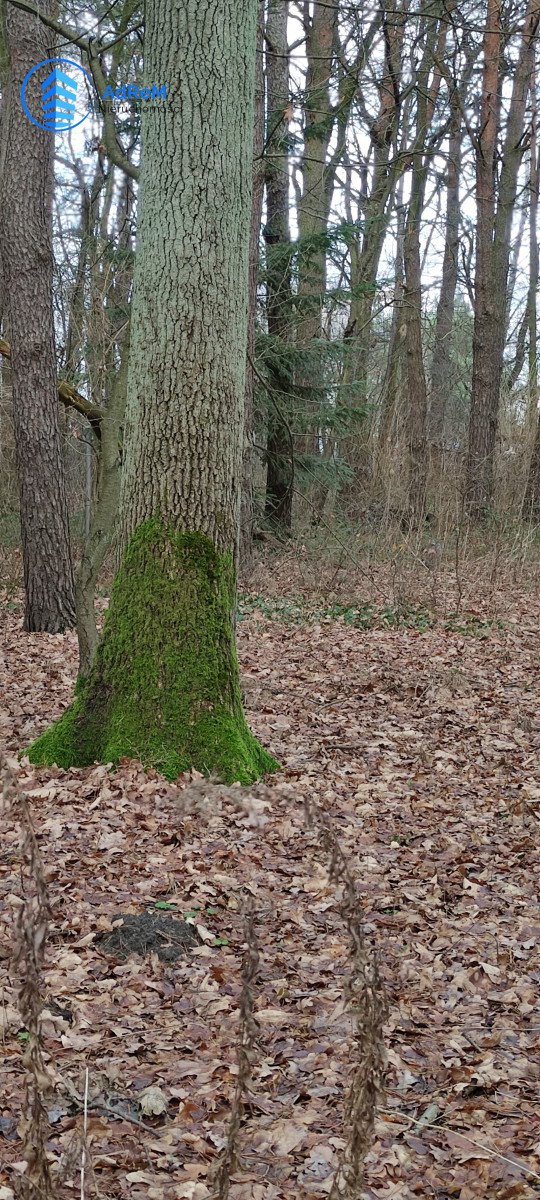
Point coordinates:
pixel 26 183
pixel 164 686
pixel 279 445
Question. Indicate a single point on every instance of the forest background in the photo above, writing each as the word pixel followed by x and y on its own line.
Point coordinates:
pixel 380 443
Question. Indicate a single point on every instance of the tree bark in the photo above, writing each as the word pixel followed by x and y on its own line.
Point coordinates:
pixel 164 686
pixel 416 377
pixel 366 250
pixel 395 348
pixel 440 368
pixel 422 152
pixel 111 341
pixel 279 457
pixel 531 504
pixel 247 501
pixel 494 226
pixel 26 184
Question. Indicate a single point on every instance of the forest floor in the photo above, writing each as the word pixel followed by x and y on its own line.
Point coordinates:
pixel 419 735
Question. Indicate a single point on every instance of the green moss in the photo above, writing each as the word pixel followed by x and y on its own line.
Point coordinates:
pixel 164 687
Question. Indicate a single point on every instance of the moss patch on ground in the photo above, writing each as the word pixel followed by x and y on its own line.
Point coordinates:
pixel 164 687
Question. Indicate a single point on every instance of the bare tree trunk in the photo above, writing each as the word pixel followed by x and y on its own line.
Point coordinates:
pixel 423 150
pixel 416 378
pixel 494 226
pixel 26 185
pixel 397 333
pixel 111 345
pixel 440 369
pixel 317 183
pixel 279 446
pixel 531 504
pixel 246 507
pixel 365 255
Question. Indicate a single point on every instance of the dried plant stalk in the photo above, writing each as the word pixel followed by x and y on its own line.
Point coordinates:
pixel 245 1051
pixel 28 957
pixel 367 1002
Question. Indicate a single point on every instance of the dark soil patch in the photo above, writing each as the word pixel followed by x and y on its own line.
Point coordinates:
pixel 150 933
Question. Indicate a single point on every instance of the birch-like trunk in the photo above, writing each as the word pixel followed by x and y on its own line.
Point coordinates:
pixel 164 687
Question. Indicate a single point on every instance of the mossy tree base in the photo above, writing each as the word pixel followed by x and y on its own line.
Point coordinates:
pixel 164 687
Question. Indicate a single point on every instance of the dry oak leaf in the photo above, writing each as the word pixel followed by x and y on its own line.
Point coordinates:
pixel 153 1102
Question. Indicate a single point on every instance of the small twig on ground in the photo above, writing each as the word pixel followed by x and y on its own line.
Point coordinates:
pixel 513 1162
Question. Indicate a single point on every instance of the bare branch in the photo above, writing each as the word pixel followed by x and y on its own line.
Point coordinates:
pixel 69 396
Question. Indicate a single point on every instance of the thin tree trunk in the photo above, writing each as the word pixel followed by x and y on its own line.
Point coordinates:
pixel 485 381
pixel 26 184
pixel 440 368
pixel 114 344
pixel 104 513
pixel 423 150
pixel 397 332
pixel 164 685
pixel 494 226
pixel 280 463
pixel 365 255
pixel 247 502
pixel 531 505
pixel 416 378
pixel 317 184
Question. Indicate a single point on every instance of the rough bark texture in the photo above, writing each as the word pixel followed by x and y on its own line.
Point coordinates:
pixel 440 368
pixel 366 250
pixel 416 378
pixel 531 504
pixel 187 365
pixel 247 516
pixel 494 226
pixel 427 89
pixel 172 701
pixel 26 183
pixel 279 456
pixel 317 171
pixel 103 517
pixel 164 686
pixel 111 337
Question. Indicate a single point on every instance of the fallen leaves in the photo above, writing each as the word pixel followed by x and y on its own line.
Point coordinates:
pixel 424 749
